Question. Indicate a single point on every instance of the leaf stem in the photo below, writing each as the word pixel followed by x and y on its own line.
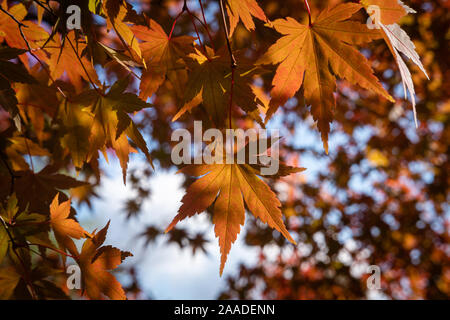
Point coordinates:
pixel 233 63
pixel 191 16
pixel 51 248
pixel 176 18
pixel 10 171
pixel 84 68
pixel 309 11
pixel 29 154
pixel 205 25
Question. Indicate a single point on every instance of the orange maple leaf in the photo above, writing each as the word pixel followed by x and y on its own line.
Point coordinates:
pixel 66 58
pixel 95 261
pixel 209 81
pixel 63 226
pixel 391 11
pixel 315 55
pixel 161 55
pixel 228 186
pixel 244 10
pixel 10 32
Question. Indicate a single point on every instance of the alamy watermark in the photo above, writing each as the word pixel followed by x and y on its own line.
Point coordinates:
pixel 74 19
pixel 374 280
pixel 229 146
pixel 374 20
pixel 74 279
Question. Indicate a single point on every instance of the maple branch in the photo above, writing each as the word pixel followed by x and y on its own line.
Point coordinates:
pixel 233 63
pixel 309 11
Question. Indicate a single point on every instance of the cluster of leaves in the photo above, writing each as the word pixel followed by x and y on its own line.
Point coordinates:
pixel 71 95
pixel 24 232
pixel 378 200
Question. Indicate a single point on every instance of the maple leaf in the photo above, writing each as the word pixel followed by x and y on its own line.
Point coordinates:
pixel 121 58
pixel 244 10
pixel 66 58
pixel 63 226
pixel 9 278
pixel 150 234
pixel 209 83
pixel 19 146
pixel 6 214
pixel 161 55
pixel 398 42
pixel 228 186
pixel 22 229
pixel 99 121
pixel 116 16
pixel 198 243
pixel 12 283
pixel 390 11
pixel 37 190
pixel 4 243
pixel 11 72
pixel 10 32
pixel 95 261
pixel 36 100
pixel 313 56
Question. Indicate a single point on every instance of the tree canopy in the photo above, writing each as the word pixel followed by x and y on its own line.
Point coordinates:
pixel 359 91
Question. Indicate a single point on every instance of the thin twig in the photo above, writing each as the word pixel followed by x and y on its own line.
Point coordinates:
pixel 84 68
pixel 205 25
pixel 225 27
pixel 12 17
pixel 10 171
pixel 29 154
pixel 196 31
pixel 45 8
pixel 176 19
pixel 192 17
pixel 51 248
pixel 30 50
pixel 233 63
